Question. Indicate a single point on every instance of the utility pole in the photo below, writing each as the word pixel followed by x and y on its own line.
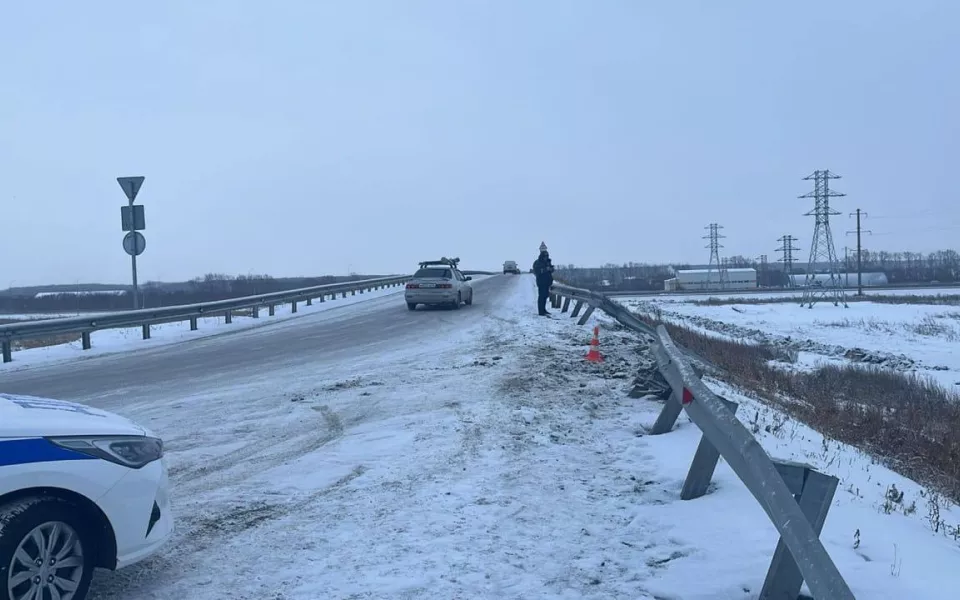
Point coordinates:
pixel 787 248
pixel 859 231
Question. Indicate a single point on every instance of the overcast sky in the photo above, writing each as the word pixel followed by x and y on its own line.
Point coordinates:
pixel 309 137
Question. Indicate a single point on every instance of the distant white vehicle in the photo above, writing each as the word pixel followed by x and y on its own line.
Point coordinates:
pixel 510 266
pixel 80 488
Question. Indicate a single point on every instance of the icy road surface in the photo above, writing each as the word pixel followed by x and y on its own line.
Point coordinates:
pixel 378 453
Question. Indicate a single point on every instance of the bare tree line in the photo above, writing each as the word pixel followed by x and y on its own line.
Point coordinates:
pixel 207 288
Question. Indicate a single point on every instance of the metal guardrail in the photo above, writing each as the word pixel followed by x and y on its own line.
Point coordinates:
pixel 86 324
pixel 795 496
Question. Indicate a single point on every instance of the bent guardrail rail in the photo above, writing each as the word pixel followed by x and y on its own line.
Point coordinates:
pixel 86 324
pixel 795 496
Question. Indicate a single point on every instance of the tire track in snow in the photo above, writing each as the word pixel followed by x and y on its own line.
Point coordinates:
pixel 205 522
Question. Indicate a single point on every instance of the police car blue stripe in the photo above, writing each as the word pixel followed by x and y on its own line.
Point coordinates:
pixel 35 450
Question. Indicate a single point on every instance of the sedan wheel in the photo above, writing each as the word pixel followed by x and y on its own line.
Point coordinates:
pixel 42 556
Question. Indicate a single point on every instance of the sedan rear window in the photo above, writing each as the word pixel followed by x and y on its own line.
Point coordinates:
pixel 434 273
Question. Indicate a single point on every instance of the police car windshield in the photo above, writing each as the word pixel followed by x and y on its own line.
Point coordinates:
pixel 434 272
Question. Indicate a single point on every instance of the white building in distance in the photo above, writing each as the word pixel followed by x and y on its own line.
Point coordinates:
pixel 706 279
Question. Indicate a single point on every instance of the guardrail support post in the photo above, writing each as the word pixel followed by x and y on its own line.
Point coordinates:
pixel 322 298
pixel 668 415
pixel 704 463
pixel 309 301
pixel 814 492
pixel 85 340
pixel 293 306
pixel 271 310
pixel 255 312
pixel 7 348
pixel 576 309
pixel 566 304
pixel 344 294
pixel 586 315
pixel 228 317
pixel 193 323
pixel 352 293
pixel 146 331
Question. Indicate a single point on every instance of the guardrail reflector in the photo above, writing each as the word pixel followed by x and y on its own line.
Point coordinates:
pixel 687 396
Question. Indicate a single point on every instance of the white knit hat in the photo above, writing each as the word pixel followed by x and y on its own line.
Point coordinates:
pixel 543 246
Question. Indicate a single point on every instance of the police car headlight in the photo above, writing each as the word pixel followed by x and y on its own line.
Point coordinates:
pixel 129 451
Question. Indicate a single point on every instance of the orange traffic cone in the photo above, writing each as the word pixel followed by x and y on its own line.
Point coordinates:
pixel 594 354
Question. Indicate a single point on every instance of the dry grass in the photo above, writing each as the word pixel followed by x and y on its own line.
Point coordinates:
pixel 40 342
pixel 910 422
pixel 47 341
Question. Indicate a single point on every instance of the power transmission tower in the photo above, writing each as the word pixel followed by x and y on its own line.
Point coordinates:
pixel 822 249
pixel 762 275
pixel 859 231
pixel 787 248
pixel 714 236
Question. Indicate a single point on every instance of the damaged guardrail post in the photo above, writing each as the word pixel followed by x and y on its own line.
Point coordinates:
pixel 586 315
pixel 576 309
pixel 814 493
pixel 668 415
pixel 704 464
pixel 755 469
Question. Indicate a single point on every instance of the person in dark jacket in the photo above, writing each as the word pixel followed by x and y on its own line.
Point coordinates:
pixel 543 269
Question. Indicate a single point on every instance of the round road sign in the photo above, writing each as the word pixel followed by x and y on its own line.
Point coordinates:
pixel 134 243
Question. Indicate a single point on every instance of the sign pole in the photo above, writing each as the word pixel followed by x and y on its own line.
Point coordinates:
pixel 133 271
pixel 133 222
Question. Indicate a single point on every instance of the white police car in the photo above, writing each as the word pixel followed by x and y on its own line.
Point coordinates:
pixel 79 488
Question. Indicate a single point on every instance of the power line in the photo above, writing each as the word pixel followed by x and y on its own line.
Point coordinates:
pixel 922 230
pixel 923 214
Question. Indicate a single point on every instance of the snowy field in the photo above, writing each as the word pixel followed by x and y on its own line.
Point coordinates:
pixel 907 337
pixel 492 463
pixel 779 294
pixel 109 341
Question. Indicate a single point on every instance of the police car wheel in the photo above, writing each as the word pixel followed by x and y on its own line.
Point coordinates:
pixel 43 547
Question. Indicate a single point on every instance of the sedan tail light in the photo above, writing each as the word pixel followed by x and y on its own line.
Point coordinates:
pixel 413 286
pixel 445 286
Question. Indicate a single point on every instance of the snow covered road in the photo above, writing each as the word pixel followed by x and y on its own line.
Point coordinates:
pixel 235 356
